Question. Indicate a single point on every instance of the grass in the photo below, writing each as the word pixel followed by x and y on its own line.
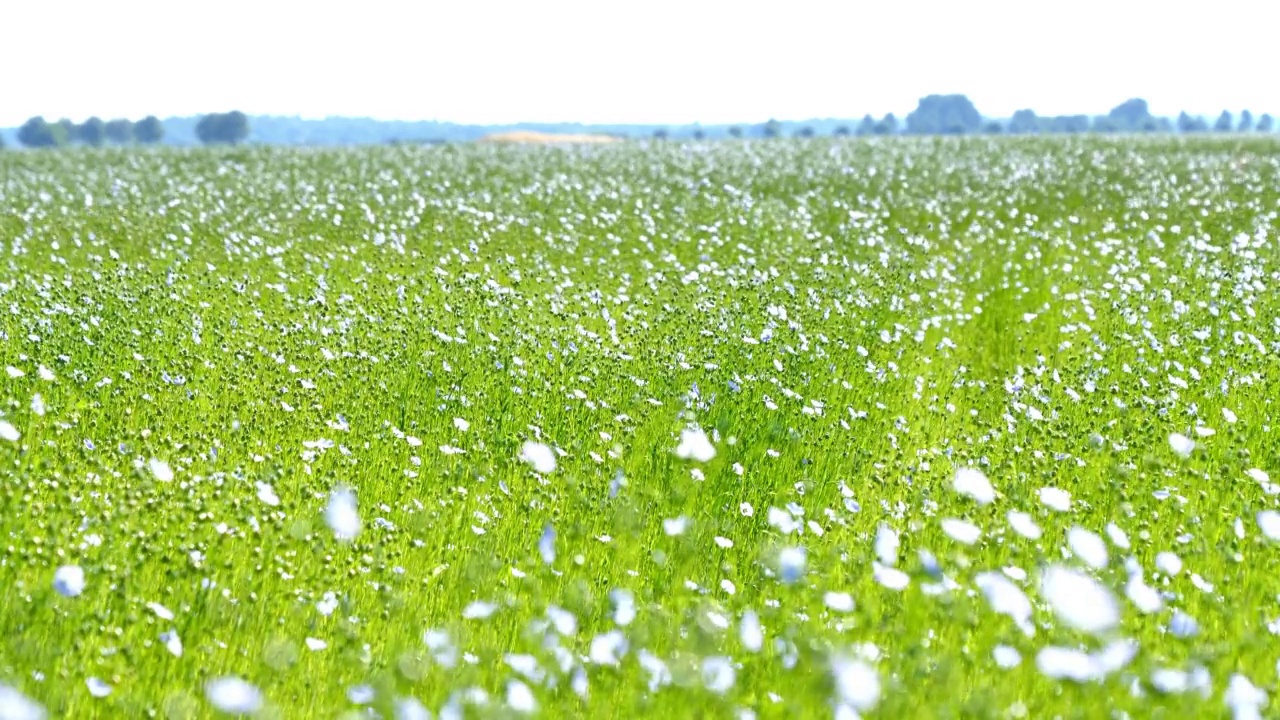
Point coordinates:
pixel 849 322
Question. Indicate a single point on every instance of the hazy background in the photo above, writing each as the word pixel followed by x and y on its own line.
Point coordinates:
pixel 660 62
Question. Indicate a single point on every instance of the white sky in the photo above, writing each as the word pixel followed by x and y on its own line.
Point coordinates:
pixel 651 61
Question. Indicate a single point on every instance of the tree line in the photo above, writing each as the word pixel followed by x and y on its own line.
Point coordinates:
pixel 957 115
pixel 215 128
pixel 934 115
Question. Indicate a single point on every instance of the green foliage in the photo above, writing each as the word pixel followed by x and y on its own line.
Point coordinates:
pixel 1265 123
pixel 771 129
pixel 1246 122
pixel 1224 122
pixel 200 347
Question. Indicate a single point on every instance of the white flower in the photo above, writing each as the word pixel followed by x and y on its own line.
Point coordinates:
pixel 1269 524
pixel 694 445
pixel 547 544
pixel 961 531
pixel 1143 596
pixel 97 688
pixel 342 515
pixel 1067 663
pixel 172 642
pixel 1181 445
pixel 520 697
pixel 890 578
pixel 887 544
pixel 624 606
pixel 327 604
pixel 1006 657
pixel 1244 699
pixel 479 610
pixel 1078 600
pixel 9 433
pixel 234 696
pixel 161 611
pixel 1007 599
pixel 68 580
pixel 857 684
pixel 750 631
pixel 360 694
pixel 316 644
pixel 718 674
pixel 267 494
pixel 1229 416
pixel 838 601
pixel 1055 498
pixel 675 526
pixel 16 706
pixel 1023 525
pixel 791 564
pixel 1168 563
pixel 541 457
pixel 973 483
pixel 1087 546
pixel 461 424
pixel 160 470
pixel 607 649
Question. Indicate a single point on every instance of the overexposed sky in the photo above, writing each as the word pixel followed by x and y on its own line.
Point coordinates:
pixel 625 61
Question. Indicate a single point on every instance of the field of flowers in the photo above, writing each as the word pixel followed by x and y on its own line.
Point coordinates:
pixel 900 428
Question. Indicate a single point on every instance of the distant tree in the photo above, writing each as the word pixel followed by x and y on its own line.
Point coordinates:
pixel 149 130
pixel 1070 124
pixel 805 132
pixel 37 133
pixel 841 131
pixel 1246 121
pixel 223 128
pixel 1023 122
pixel 771 129
pixel 699 134
pixel 944 115
pixel 888 125
pixel 1104 124
pixel 1128 116
pixel 660 134
pixel 1151 124
pixel 91 132
pixel 65 130
pixel 867 126
pixel 1223 123
pixel 1191 123
pixel 1 142
pixel 1265 123
pixel 735 132
pixel 120 131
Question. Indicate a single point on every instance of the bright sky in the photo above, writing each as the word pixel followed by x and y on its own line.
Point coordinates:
pixel 651 61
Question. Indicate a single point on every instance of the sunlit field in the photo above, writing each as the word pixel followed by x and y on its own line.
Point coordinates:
pixel 899 428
